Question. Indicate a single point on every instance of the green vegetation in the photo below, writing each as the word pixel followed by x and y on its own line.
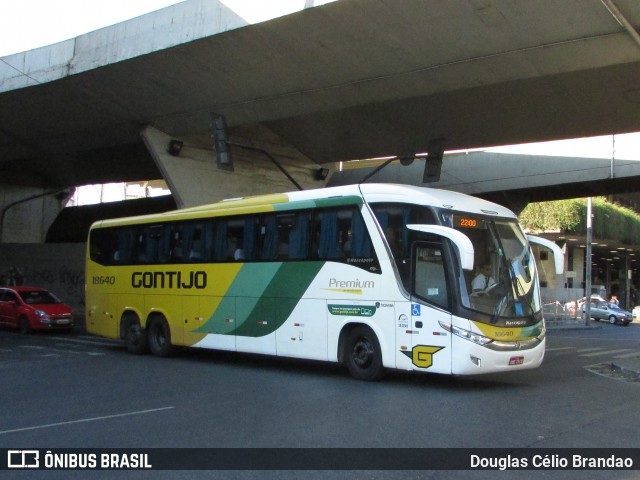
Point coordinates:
pixel 610 221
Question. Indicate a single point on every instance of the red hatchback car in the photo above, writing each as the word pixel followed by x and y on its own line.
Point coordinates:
pixel 33 308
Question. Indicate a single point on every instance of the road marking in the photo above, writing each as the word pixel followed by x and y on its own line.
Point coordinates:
pixel 557 349
pixel 83 420
pixel 605 352
pixel 585 350
pixel 628 355
pixel 51 349
pixel 89 341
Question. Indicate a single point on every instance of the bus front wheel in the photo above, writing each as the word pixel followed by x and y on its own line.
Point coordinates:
pixel 362 354
pixel 159 337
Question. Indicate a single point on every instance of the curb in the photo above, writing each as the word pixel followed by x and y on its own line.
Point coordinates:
pixel 629 367
pixel 568 325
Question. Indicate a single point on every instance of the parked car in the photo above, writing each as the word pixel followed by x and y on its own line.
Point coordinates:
pixel 33 308
pixel 610 312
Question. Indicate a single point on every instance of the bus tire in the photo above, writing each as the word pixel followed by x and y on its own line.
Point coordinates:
pixel 135 337
pixel 362 354
pixel 159 337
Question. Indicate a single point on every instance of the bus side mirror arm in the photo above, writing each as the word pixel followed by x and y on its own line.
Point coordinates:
pixel 558 256
pixel 459 239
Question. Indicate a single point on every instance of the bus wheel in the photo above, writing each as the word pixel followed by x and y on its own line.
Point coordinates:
pixel 135 337
pixel 362 355
pixel 159 337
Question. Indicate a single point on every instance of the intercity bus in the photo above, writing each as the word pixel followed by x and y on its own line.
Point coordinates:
pixel 375 276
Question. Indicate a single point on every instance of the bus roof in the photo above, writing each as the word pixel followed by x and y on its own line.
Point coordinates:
pixel 330 196
pixel 380 192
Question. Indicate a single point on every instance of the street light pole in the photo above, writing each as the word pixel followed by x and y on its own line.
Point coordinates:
pixel 587 320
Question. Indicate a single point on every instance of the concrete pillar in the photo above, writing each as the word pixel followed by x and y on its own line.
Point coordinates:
pixel 26 213
pixel 194 178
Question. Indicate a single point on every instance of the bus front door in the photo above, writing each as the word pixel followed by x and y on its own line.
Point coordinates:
pixel 431 344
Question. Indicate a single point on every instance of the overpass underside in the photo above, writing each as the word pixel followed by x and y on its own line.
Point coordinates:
pixel 513 180
pixel 346 80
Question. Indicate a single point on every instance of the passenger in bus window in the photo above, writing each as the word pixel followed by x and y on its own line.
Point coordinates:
pixel 235 250
pixel 195 254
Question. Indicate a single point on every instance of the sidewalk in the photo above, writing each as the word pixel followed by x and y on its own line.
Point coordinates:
pixel 628 367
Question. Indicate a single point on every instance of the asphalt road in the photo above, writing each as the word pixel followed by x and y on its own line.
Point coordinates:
pixel 77 391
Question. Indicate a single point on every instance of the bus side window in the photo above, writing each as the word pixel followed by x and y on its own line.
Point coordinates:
pixel 197 240
pixel 235 239
pixel 220 241
pixel 176 252
pixel 328 245
pixel 103 246
pixel 275 236
pixel 155 247
pixel 299 237
pixel 359 243
pixel 249 239
pixel 341 235
pixel 126 245
pixel 269 233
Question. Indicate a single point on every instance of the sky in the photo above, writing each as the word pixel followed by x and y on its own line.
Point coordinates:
pixel 618 147
pixel 28 24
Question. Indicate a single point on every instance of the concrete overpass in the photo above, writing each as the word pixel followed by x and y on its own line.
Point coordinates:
pixel 510 179
pixel 346 80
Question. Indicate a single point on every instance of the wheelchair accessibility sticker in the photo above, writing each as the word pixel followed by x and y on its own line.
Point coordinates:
pixel 415 310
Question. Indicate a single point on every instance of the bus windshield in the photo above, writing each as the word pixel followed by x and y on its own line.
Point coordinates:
pixel 504 283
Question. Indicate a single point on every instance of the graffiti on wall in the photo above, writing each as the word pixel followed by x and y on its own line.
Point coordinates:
pixel 13 276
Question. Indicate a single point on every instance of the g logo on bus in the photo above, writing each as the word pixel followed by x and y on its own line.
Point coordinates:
pixel 422 355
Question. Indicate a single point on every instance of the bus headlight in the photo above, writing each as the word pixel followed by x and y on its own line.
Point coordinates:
pixel 466 334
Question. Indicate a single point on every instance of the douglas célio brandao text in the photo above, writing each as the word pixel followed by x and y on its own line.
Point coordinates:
pixel 550 461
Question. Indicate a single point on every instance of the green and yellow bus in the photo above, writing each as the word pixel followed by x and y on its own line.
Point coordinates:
pixel 374 276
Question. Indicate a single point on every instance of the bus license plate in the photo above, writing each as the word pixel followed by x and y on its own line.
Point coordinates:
pixel 516 360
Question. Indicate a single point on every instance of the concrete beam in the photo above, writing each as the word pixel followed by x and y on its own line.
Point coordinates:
pixel 477 173
pixel 194 178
